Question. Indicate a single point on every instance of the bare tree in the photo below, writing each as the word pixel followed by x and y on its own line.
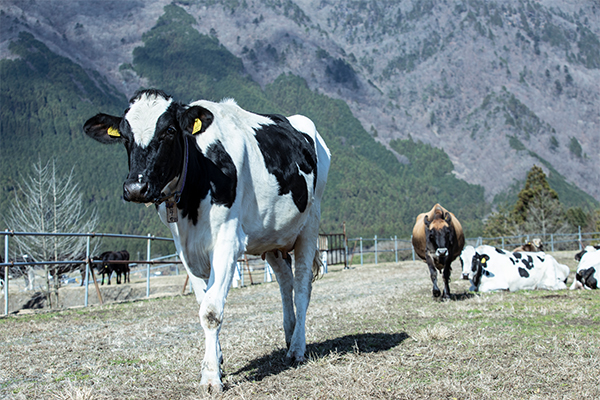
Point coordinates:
pixel 46 202
pixel 545 215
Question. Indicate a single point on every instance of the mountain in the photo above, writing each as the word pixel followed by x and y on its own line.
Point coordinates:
pixel 468 89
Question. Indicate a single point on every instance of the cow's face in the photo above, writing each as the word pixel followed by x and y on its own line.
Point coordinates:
pixel 478 265
pixel 153 130
pixel 440 239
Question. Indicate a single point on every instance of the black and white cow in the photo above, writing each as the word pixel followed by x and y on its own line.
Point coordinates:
pixel 227 181
pixel 588 269
pixel 491 269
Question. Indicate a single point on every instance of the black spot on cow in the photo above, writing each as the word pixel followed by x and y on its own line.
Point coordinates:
pixel 214 172
pixel 517 256
pixel 528 262
pixel 540 258
pixel 223 175
pixel 500 251
pixel 286 152
pixel 586 277
pixel 523 272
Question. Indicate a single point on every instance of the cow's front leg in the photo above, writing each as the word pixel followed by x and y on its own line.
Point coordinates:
pixel 228 249
pixel 446 274
pixel 433 275
pixel 283 271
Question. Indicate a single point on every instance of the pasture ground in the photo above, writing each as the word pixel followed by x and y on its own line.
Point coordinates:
pixel 373 332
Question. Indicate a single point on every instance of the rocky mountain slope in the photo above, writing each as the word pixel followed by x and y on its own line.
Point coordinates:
pixel 499 86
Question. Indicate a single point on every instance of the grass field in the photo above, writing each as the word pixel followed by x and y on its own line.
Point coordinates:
pixel 373 332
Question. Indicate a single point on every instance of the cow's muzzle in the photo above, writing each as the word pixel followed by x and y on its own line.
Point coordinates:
pixel 135 191
pixel 441 252
pixel 465 277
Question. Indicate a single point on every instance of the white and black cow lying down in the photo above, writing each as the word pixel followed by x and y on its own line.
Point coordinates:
pixel 227 181
pixel 588 269
pixel 490 268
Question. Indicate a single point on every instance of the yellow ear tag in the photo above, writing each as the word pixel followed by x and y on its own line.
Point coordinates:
pixel 483 260
pixel 113 132
pixel 197 126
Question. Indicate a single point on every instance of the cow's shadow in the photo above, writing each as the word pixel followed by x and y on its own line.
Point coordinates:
pixel 459 296
pixel 275 363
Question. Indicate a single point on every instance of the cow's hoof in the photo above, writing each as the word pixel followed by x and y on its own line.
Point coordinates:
pixel 436 293
pixel 212 386
pixel 294 359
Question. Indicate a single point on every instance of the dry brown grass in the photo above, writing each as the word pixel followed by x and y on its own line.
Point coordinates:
pixel 372 332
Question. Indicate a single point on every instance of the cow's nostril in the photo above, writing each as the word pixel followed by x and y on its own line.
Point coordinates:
pixel 135 191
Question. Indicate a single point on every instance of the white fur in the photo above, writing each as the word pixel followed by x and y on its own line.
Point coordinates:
pixel 590 259
pixel 143 115
pixel 259 221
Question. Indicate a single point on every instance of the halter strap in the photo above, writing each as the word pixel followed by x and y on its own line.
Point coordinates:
pixel 182 178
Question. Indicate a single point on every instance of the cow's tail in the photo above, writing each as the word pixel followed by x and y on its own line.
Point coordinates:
pixel 317 265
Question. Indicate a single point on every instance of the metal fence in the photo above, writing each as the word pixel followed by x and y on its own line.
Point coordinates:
pixel 163 271
pixel 336 248
pixel 391 249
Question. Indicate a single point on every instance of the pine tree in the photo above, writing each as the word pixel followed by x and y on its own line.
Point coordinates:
pixel 536 185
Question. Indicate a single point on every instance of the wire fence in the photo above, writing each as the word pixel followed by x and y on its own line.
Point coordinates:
pixel 45 284
pixel 374 250
pixel 163 274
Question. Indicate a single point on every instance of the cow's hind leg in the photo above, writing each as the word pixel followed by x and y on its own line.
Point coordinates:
pixel 305 256
pixel 433 274
pixel 283 271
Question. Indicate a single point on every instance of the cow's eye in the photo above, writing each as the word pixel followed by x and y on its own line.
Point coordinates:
pixel 171 130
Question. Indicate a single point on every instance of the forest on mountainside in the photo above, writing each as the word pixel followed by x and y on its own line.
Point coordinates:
pixel 50 98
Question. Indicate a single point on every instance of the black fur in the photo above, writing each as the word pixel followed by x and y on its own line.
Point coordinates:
pixel 284 150
pixel 214 173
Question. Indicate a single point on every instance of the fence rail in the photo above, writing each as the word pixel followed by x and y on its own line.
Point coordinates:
pixel 336 248
pixel 372 250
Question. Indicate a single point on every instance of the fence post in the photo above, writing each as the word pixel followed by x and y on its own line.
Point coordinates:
pixel 375 249
pixel 396 247
pixel 502 242
pixel 148 249
pixel 552 242
pixel 579 228
pixel 87 271
pixel 413 248
pixel 6 273
pixel 361 252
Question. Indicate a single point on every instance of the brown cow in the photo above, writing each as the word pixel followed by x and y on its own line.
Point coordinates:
pixel 532 246
pixel 438 239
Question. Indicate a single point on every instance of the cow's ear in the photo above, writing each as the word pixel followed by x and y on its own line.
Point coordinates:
pixel 448 218
pixel 104 128
pixel 195 120
pixel 426 221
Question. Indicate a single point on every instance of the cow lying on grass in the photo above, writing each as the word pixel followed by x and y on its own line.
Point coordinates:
pixel 226 181
pixel 490 268
pixel 588 269
pixel 438 240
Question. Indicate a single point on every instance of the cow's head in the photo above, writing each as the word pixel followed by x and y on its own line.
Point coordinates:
pixel 440 238
pixel 153 131
pixel 478 268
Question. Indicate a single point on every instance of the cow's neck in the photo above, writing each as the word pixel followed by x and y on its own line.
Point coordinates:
pixel 196 185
